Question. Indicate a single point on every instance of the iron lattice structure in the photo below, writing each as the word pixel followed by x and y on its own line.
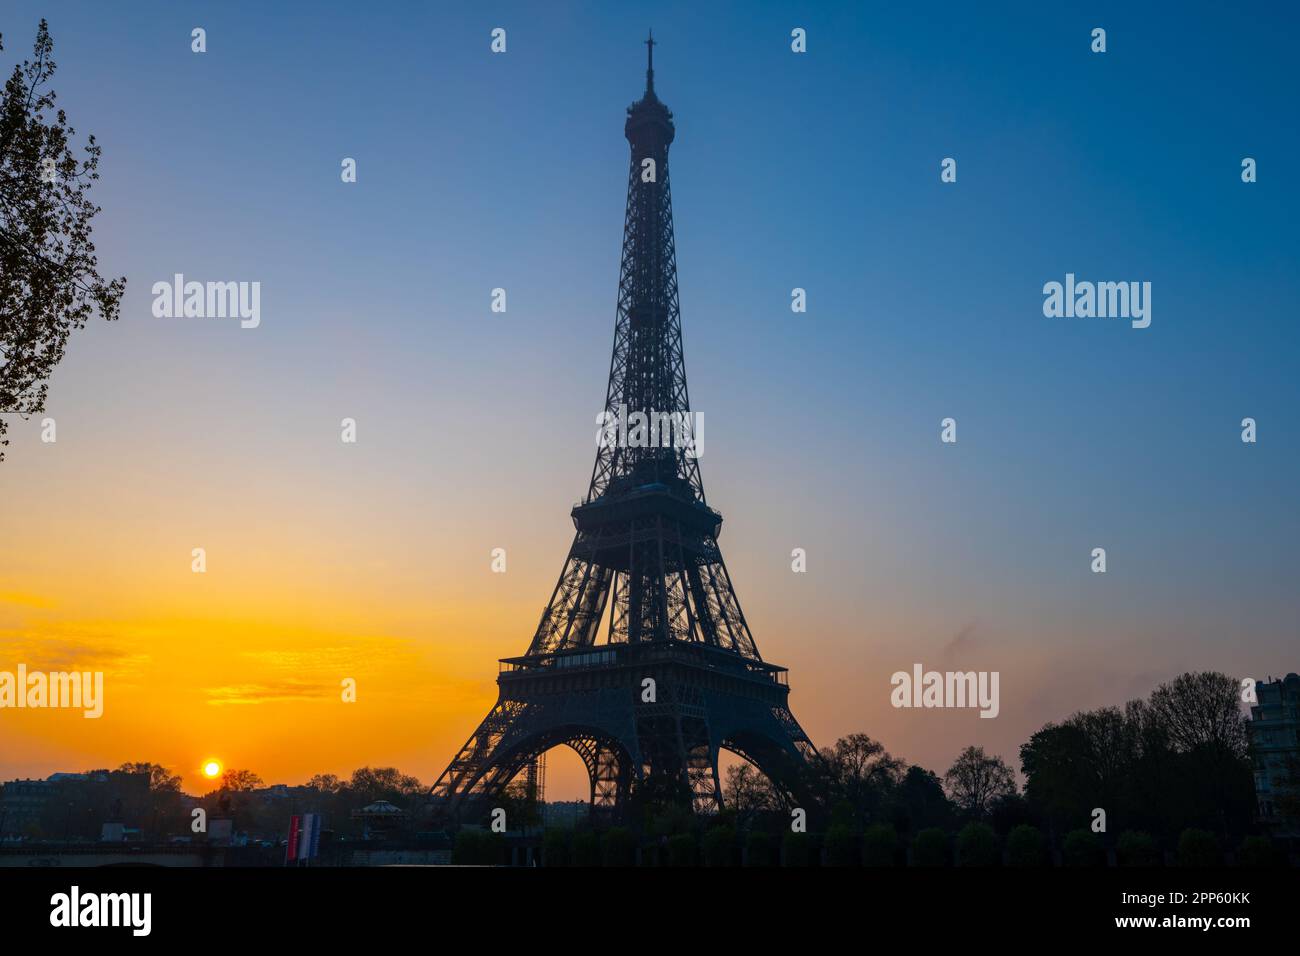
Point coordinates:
pixel 645 562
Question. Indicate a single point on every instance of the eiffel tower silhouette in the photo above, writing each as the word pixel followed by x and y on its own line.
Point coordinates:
pixel 678 676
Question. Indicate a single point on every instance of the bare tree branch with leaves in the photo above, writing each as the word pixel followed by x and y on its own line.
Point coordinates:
pixel 976 780
pixel 1202 710
pixel 49 279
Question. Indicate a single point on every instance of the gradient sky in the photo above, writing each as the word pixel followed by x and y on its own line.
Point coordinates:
pixel 476 430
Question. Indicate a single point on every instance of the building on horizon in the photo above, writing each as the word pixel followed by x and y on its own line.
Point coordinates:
pixel 1275 751
pixel 72 805
pixel 22 802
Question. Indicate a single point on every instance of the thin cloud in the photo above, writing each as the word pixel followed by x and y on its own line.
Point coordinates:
pixel 961 644
pixel 26 600
pixel 68 653
pixel 280 692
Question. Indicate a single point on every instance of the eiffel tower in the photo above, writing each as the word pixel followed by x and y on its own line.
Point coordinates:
pixel 677 676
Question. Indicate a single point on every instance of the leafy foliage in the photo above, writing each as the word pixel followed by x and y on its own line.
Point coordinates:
pixel 1026 846
pixel 1137 848
pixel 618 847
pixel 976 780
pixel 1081 848
pixel 160 778
pixel 49 279
pixel 681 849
pixel 759 850
pixel 977 845
pixel 796 849
pixel 930 848
pixel 879 845
pixel 240 781
pixel 1161 765
pixel 719 846
pixel 840 846
pixel 585 850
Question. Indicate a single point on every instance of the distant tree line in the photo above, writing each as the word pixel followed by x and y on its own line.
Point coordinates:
pixel 147 797
pixel 1170 775
pixel 265 812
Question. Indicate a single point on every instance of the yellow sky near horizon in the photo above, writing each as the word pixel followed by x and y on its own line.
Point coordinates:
pixel 244 662
pixel 260 691
pixel 256 695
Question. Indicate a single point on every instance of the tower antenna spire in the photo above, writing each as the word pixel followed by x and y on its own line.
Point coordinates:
pixel 650 63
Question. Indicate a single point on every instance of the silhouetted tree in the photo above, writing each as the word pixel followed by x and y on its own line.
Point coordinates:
pixel 977 845
pixel 1026 846
pixel 1058 778
pixel 1176 761
pixel 160 778
pixel 555 847
pixel 682 849
pixel 156 810
pixel 1202 711
pixel 1081 848
pixel 1137 848
pixel 796 849
pixel 749 793
pixel 930 848
pixel 857 771
pixel 326 783
pixel 719 846
pixel 49 283
pixel 521 805
pixel 662 803
pixel 1010 811
pixel 879 845
pixel 918 802
pixel 841 845
pixel 585 849
pixel 976 779
pixel 369 784
pixel 617 847
pixel 240 781
pixel 758 849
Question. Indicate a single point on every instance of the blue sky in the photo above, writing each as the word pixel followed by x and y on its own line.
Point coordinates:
pixel 818 170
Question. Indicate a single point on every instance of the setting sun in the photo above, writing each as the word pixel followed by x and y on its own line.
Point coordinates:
pixel 212 769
